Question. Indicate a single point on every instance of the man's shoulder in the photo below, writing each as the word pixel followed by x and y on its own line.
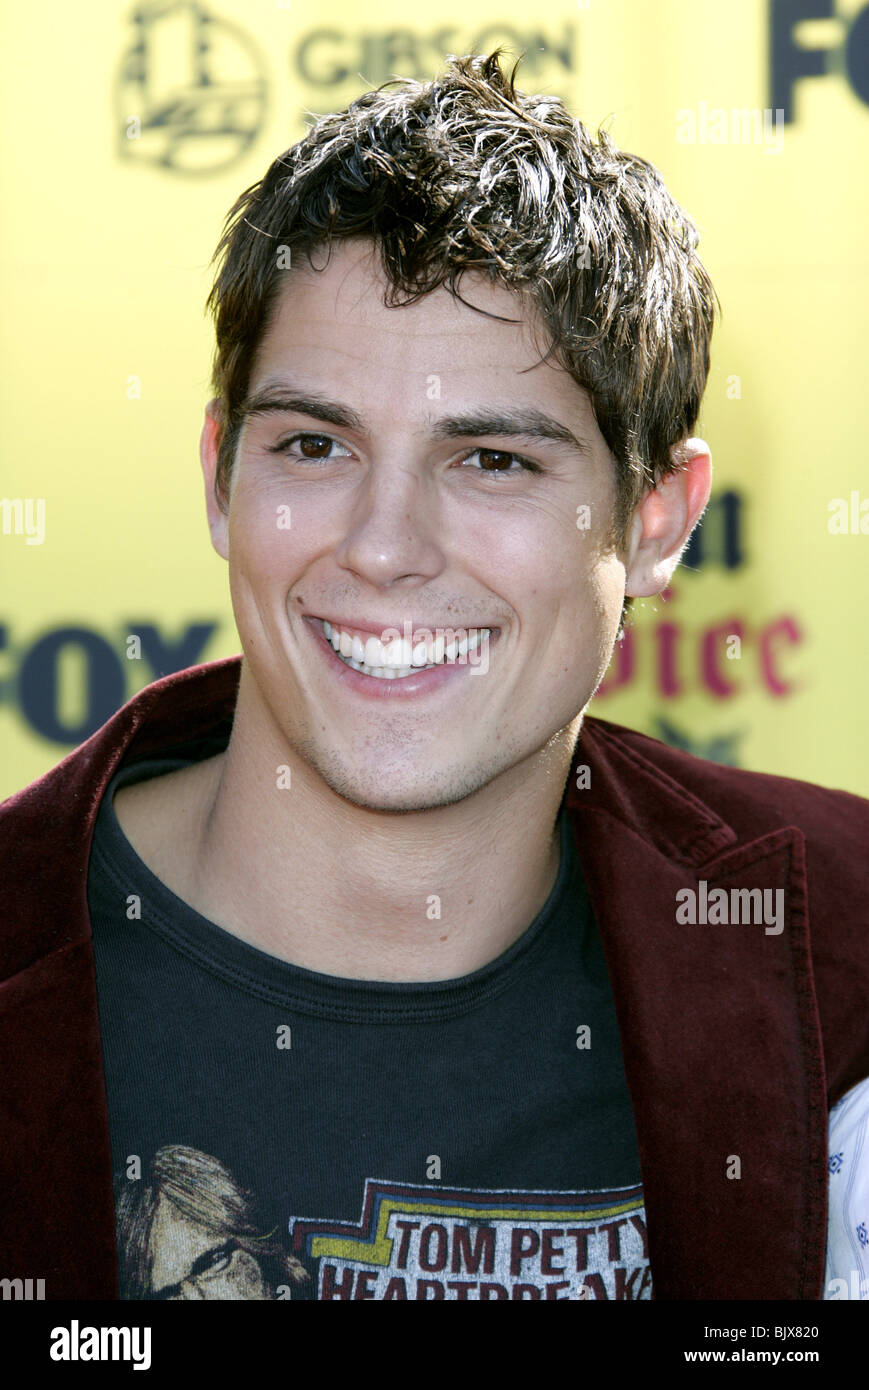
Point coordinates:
pixel 46 828
pixel 165 716
pixel 755 803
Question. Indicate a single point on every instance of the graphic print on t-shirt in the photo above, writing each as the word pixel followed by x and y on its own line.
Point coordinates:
pixel 429 1242
pixel 187 1230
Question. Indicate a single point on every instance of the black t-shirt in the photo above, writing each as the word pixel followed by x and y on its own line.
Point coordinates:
pixel 281 1133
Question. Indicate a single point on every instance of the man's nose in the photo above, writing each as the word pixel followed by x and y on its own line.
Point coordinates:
pixel 395 529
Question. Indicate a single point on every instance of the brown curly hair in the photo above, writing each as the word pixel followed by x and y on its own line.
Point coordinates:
pixel 466 172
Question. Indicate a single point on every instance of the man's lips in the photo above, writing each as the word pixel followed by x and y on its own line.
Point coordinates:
pixel 389 679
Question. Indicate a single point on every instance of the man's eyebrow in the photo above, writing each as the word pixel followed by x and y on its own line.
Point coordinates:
pixel 271 399
pixel 525 422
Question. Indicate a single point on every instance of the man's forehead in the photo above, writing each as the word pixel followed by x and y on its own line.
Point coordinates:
pixel 350 288
pixel 321 320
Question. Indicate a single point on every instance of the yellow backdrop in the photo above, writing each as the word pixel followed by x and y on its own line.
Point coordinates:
pixel 129 133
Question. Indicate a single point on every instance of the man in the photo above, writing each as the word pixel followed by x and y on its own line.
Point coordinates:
pixel 189 1234
pixel 488 999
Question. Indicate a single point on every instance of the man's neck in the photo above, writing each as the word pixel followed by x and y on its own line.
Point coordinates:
pixel 307 876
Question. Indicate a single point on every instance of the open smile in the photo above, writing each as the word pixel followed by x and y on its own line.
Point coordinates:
pixel 408 665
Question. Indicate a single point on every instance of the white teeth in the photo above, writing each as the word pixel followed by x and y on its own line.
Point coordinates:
pixel 400 657
pixel 373 652
pixel 397 653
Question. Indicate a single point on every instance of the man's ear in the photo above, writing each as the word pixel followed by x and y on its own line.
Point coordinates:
pixel 209 446
pixel 663 521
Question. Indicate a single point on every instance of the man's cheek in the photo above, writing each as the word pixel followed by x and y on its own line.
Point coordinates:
pixel 266 541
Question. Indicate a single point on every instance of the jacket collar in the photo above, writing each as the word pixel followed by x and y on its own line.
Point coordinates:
pixel 719 1025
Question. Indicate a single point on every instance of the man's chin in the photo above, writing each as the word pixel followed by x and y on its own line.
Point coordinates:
pixel 404 796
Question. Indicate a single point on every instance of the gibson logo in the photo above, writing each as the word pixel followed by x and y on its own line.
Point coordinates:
pixel 191 90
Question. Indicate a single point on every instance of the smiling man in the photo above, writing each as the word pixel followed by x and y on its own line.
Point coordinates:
pixel 399 521
pixel 377 915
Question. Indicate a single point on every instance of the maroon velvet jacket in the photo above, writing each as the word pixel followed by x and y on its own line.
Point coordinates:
pixel 735 1041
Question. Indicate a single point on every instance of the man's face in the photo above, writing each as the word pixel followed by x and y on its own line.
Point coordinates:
pixel 190 1261
pixel 406 516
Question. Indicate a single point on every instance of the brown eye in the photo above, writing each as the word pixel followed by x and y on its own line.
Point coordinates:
pixel 500 461
pixel 500 457
pixel 310 445
pixel 314 445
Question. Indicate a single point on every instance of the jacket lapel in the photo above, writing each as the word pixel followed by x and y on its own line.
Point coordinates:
pixel 719 1025
pixel 55 1155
